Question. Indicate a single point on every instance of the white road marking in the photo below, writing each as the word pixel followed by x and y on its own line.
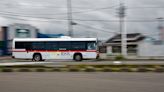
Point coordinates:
pixel 117 62
pixel 23 63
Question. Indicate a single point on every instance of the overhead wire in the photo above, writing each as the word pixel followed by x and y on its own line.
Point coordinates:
pixel 18 15
pixel 102 30
pixel 26 17
pixel 144 7
pixel 48 19
pixel 42 6
pixel 88 11
pixel 51 19
pixel 132 20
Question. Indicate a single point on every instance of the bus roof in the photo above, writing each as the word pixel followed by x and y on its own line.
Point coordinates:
pixel 55 39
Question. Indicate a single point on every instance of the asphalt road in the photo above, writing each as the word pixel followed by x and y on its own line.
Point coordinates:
pixel 81 82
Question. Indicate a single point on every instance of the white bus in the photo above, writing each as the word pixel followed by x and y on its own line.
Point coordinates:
pixel 39 49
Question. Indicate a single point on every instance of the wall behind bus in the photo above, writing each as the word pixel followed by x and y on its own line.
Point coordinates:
pixel 3 40
pixel 21 31
pixel 150 48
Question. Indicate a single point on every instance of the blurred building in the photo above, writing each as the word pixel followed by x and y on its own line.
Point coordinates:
pixel 21 31
pixel 151 48
pixel 137 45
pixel 3 41
pixel 8 33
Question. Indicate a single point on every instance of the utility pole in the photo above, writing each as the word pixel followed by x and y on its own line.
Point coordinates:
pixel 69 14
pixel 122 29
pixel 161 28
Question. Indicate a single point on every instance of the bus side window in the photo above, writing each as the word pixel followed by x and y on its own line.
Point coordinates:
pixel 91 46
pixel 38 46
pixel 78 46
pixel 28 45
pixel 19 45
pixel 51 46
pixel 65 45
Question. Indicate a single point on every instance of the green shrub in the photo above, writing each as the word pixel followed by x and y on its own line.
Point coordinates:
pixel 90 69
pixel 119 57
pixel 74 69
pixel 40 70
pixel 7 70
pixel 107 69
pixel 24 70
pixel 125 69
pixel 56 70
pixel 159 69
pixel 142 69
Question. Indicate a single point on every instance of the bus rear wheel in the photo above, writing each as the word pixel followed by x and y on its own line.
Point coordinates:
pixel 37 57
pixel 78 57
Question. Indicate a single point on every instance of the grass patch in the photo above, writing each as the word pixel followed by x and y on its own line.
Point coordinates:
pixel 55 70
pixel 40 70
pixel 142 69
pixel 84 68
pixel 119 57
pixel 73 69
pixel 161 69
pixel 107 69
pixel 90 69
pixel 24 70
pixel 126 69
pixel 7 70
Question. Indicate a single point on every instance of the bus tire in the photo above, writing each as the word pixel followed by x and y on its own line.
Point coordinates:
pixel 37 57
pixel 78 57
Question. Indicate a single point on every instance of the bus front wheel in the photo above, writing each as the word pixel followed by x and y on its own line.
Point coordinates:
pixel 78 57
pixel 37 57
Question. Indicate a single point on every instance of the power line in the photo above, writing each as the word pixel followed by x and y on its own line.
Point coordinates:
pixel 29 14
pixel 111 7
pixel 64 13
pixel 78 25
pixel 58 7
pixel 145 7
pixel 23 19
pixel 77 12
pixel 31 5
pixel 102 30
pixel 86 11
pixel 64 19
pixel 44 6
pixel 138 20
pixel 55 19
pixel 94 29
pixel 13 14
pixel 58 19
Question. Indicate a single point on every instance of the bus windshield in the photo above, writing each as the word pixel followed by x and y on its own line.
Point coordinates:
pixel 91 46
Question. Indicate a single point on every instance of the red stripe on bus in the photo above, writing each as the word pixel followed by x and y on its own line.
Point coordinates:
pixel 54 51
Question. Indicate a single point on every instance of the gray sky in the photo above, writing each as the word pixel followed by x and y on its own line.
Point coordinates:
pixel 50 15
